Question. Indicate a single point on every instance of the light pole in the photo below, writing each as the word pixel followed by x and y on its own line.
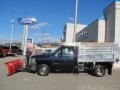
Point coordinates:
pixel 42 38
pixel 75 21
pixel 11 36
pixel 25 39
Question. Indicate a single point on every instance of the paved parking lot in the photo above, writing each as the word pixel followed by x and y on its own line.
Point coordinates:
pixel 62 81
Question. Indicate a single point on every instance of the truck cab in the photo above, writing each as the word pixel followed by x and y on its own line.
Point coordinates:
pixel 64 58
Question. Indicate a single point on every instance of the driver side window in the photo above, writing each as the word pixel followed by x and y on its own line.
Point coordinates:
pixel 65 52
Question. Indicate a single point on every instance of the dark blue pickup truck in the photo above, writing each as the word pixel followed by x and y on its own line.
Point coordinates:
pixel 68 58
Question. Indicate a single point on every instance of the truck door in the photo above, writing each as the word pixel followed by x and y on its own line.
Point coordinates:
pixel 64 59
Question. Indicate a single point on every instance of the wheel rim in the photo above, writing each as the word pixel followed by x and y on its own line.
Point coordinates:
pixel 100 71
pixel 43 70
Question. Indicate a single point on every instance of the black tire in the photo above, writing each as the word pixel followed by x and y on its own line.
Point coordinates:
pixel 43 70
pixel 99 70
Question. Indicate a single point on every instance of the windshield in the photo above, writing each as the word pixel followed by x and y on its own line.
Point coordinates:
pixel 55 49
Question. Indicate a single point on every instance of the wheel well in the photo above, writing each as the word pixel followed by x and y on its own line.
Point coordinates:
pixel 105 64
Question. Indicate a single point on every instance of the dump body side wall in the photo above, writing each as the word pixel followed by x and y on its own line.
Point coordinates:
pixel 97 52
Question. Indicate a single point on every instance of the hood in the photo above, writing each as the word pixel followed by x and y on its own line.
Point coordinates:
pixel 43 55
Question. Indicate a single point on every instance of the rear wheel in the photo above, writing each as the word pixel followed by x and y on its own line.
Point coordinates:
pixel 99 70
pixel 43 70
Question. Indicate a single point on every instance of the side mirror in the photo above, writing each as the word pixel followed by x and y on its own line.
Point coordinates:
pixel 49 51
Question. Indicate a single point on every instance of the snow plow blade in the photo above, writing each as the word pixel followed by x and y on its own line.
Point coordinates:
pixel 13 66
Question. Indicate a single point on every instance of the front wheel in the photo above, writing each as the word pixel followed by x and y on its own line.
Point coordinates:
pixel 43 70
pixel 99 70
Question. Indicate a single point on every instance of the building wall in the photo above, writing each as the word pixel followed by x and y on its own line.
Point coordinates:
pixel 109 14
pixel 101 31
pixel 112 17
pixel 94 32
pixel 117 23
pixel 69 31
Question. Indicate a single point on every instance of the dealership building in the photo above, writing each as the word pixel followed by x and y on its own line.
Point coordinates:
pixel 94 32
pixel 68 32
pixel 106 29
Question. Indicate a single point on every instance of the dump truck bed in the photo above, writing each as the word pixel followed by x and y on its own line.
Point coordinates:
pixel 97 52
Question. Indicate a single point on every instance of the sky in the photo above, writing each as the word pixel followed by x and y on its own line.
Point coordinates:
pixel 51 16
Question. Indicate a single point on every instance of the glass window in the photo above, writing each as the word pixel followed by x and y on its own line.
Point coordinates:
pixel 65 53
pixel 58 53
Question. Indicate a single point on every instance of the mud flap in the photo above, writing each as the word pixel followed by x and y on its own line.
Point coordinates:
pixel 110 69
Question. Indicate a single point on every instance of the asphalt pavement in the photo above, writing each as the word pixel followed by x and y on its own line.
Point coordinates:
pixel 57 81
